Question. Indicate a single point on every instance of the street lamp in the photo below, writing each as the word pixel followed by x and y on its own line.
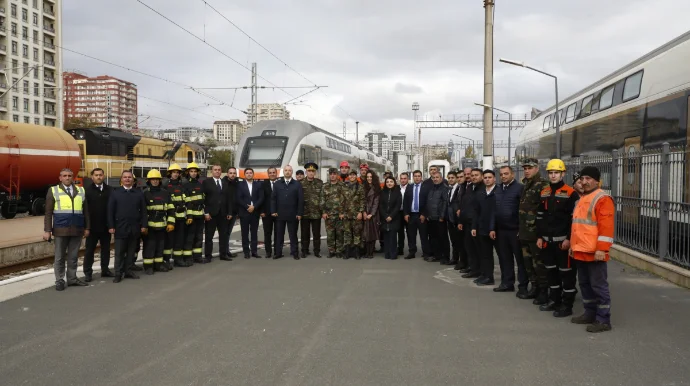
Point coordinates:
pixel 558 118
pixel 510 125
pixel 474 148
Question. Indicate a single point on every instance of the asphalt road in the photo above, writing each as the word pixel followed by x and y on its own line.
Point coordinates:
pixel 334 322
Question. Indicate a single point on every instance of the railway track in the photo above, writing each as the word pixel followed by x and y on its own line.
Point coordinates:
pixel 13 270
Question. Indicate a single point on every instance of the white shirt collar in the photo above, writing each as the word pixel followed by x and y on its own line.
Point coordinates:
pixel 288 181
pixel 491 190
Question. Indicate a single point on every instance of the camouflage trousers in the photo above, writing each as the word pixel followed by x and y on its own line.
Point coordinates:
pixel 353 232
pixel 534 264
pixel 335 235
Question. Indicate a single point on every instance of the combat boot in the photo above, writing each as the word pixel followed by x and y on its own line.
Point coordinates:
pixel 549 306
pixel 148 269
pixel 179 262
pixel 542 297
pixel 531 294
pixel 160 267
pixel 583 319
pixel 563 311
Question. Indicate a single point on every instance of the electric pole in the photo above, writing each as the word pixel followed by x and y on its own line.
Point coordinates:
pixel 488 83
pixel 254 113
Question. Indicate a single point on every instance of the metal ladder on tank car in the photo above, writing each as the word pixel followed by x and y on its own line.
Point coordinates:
pixel 8 209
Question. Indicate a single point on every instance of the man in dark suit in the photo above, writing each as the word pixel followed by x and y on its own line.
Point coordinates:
pixel 287 206
pixel 248 198
pixel 265 210
pixel 218 206
pixel 232 180
pixel 97 196
pixel 412 208
pixel 454 191
pixel 127 220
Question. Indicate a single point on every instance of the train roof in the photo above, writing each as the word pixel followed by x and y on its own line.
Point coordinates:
pixel 605 80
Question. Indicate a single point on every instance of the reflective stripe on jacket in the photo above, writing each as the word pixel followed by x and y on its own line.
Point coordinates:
pixel 68 211
pixel 592 228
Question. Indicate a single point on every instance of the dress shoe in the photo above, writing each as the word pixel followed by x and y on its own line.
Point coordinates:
pixel 232 254
pixel 246 256
pixel 148 270
pixel 504 288
pixel 410 256
pixel 486 282
pixel 470 275
pixel 445 262
pixel 135 267
pixel 304 255
pixel 107 273
pixel 478 279
pixel 269 255
pixel 464 270
pixel 276 257
pixel 550 306
pixel 78 283
pixel 256 255
pixel 226 258
pixel 131 275
pixel 117 279
pixel 295 256
pixel 522 293
pixel 60 286
pixel 317 254
pixel 459 267
pixel 207 260
pixel 563 311
pixel 598 326
pixel 583 319
pixel 88 278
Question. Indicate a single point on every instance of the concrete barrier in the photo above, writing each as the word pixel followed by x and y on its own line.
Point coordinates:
pixel 673 273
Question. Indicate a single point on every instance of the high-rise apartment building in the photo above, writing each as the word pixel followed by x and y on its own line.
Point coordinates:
pixel 266 111
pixel 30 65
pixel 228 132
pixel 109 101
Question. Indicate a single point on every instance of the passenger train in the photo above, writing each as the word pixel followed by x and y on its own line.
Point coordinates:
pixel 635 109
pixel 278 143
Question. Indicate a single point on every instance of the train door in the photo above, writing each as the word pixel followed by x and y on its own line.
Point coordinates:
pixel 631 173
pixel 317 159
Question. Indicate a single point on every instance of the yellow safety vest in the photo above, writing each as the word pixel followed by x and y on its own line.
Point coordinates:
pixel 68 211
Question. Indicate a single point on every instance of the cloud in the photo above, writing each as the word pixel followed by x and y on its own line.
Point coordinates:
pixel 376 58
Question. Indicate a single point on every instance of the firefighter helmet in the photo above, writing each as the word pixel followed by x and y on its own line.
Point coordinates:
pixel 193 165
pixel 154 173
pixel 555 165
pixel 174 167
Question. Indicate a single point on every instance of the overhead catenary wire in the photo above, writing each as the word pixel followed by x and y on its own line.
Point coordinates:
pixel 206 4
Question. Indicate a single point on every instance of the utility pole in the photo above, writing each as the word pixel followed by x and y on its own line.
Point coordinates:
pixel 357 133
pixel 254 112
pixel 488 83
pixel 344 130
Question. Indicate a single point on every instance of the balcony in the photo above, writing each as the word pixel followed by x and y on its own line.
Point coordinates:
pixel 49 29
pixel 3 49
pixel 49 46
pixel 3 30
pixel 51 113
pixel 3 105
pixel 49 95
pixel 49 13
pixel 49 79
pixel 49 62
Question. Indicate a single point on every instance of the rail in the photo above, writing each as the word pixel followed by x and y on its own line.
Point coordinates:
pixel 651 190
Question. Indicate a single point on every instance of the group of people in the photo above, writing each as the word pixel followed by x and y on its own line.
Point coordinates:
pixel 554 233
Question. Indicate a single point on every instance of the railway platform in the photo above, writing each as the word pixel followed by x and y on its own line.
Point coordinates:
pixel 21 240
pixel 334 322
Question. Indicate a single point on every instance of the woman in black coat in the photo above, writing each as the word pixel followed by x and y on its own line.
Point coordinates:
pixel 389 212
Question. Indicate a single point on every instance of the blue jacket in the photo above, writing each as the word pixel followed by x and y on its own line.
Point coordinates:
pixel 508 205
pixel 287 200
pixel 127 212
pixel 484 220
pixel 243 199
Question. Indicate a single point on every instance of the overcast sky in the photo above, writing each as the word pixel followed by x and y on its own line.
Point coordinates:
pixel 376 57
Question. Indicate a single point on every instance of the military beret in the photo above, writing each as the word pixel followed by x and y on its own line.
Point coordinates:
pixel 530 162
pixel 333 170
pixel 311 166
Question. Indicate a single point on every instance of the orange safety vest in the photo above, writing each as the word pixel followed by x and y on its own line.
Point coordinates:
pixel 585 238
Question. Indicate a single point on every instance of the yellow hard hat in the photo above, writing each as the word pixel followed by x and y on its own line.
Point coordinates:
pixel 154 173
pixel 555 165
pixel 193 165
pixel 174 167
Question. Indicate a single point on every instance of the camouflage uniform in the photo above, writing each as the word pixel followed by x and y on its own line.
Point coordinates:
pixel 529 204
pixel 332 198
pixel 312 215
pixel 355 205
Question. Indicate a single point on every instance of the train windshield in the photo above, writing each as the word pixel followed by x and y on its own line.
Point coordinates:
pixel 262 151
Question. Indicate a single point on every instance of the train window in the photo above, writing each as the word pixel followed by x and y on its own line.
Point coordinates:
pixel 561 117
pixel 570 113
pixel 586 106
pixel 632 87
pixel 547 123
pixel 578 107
pixel 606 100
pixel 190 157
pixel 302 156
pixel 552 118
pixel 595 102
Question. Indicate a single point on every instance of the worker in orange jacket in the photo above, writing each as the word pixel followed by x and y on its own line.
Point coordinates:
pixel 592 237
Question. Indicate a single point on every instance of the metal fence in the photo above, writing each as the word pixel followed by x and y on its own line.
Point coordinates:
pixel 651 189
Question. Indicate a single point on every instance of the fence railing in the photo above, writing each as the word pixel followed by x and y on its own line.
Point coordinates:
pixel 651 190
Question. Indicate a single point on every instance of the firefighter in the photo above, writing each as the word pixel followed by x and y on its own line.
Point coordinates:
pixel 174 243
pixel 554 219
pixel 194 202
pixel 161 219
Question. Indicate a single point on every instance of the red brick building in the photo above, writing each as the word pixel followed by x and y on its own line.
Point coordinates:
pixel 110 101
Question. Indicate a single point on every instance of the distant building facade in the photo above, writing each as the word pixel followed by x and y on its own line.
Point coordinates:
pixel 228 132
pixel 266 111
pixel 107 100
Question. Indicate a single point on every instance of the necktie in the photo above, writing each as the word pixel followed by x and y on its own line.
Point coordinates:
pixel 505 187
pixel 271 186
pixel 218 185
pixel 415 198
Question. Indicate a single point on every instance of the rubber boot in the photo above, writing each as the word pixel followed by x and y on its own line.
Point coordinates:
pixel 179 262
pixel 563 311
pixel 189 260
pixel 549 306
pixel 160 267
pixel 542 297
pixel 148 269
pixel 531 294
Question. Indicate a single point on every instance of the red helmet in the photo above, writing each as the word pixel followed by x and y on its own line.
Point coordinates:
pixel 344 164
pixel 364 166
